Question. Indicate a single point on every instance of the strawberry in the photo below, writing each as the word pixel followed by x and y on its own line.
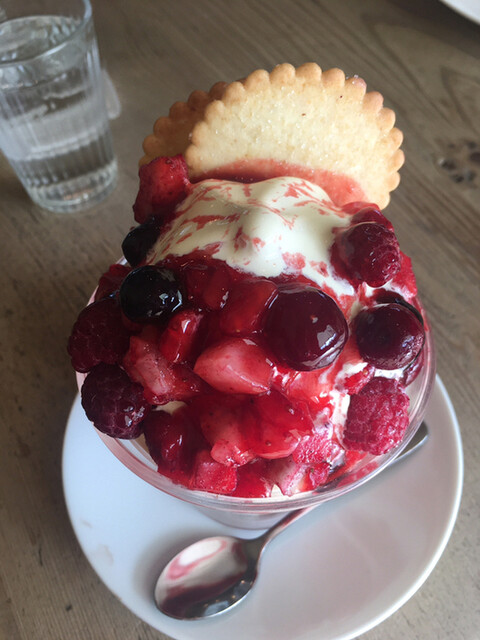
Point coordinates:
pixel 246 305
pixel 350 372
pixel 207 286
pixel 350 460
pixel 279 426
pixel 209 475
pixel 181 335
pixel 222 420
pixel 253 481
pixel 163 184
pixel 172 440
pixel 308 387
pixel 292 477
pixel 235 365
pixel 162 380
pixel 317 447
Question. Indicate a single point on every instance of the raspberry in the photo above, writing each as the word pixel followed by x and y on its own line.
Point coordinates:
pixel 355 207
pixel 369 252
pixel 98 335
pixel 163 184
pixel 377 417
pixel 371 214
pixel 111 280
pixel 114 403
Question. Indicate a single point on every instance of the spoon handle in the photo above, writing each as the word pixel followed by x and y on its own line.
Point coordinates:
pixel 418 439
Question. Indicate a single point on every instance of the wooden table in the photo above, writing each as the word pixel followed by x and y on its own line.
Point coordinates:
pixel 424 58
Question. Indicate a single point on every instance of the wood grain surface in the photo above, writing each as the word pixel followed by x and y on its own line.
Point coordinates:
pixel 425 59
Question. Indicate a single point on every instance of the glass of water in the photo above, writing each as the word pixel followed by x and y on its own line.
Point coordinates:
pixel 54 127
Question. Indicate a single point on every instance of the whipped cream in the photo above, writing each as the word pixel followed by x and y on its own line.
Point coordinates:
pixel 278 226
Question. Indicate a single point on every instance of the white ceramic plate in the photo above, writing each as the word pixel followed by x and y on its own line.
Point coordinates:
pixel 467 8
pixel 335 574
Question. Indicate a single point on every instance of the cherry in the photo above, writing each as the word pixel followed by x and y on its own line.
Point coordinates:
pixel 305 328
pixel 140 240
pixel 389 336
pixel 150 292
pixel 387 297
pixel 370 253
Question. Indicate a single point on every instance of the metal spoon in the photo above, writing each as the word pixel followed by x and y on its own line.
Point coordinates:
pixel 215 574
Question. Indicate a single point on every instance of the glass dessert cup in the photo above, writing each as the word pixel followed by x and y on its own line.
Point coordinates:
pixel 259 513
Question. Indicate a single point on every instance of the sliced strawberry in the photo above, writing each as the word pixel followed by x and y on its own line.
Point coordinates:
pixel 318 447
pixel 316 475
pixel 350 459
pixel 216 290
pixel 293 477
pixel 235 365
pixel 172 440
pixel 275 408
pixel 279 426
pixel 207 285
pixel 253 481
pixel 350 372
pixel 180 338
pixel 222 420
pixel 269 442
pixel 309 387
pixel 246 305
pixel 210 475
pixel 162 381
pixel 163 184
